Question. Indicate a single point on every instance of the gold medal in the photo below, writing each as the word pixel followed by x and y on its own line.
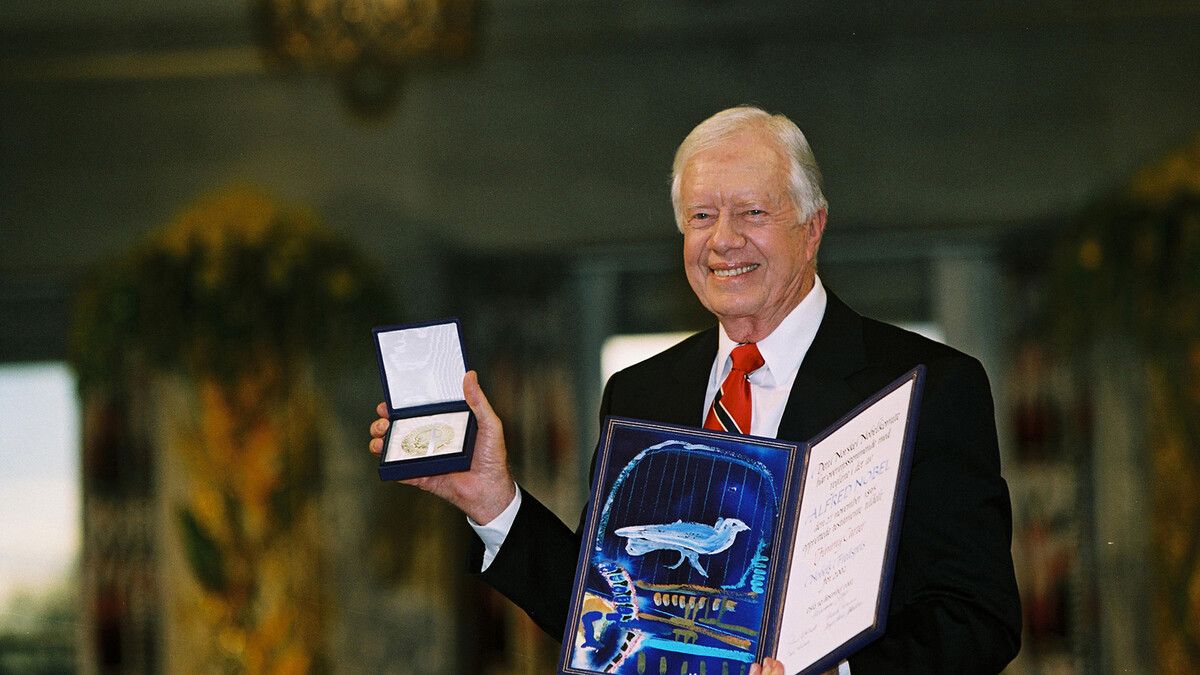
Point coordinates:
pixel 426 439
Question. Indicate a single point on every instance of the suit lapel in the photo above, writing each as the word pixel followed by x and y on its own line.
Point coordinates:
pixel 682 401
pixel 822 393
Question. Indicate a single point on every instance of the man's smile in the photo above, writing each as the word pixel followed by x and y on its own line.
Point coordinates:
pixel 735 271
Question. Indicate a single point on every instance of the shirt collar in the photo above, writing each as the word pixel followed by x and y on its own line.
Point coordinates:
pixel 784 349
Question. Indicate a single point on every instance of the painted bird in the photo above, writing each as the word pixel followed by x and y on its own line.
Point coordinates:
pixel 689 540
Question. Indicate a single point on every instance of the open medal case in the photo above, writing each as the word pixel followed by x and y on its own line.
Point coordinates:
pixel 432 429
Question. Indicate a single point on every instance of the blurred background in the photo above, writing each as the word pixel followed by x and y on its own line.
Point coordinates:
pixel 204 207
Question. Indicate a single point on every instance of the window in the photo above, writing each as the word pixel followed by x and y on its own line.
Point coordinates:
pixel 39 478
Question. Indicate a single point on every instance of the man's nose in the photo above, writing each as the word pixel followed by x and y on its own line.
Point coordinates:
pixel 727 233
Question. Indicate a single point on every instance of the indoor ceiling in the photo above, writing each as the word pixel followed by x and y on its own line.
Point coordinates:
pixel 557 135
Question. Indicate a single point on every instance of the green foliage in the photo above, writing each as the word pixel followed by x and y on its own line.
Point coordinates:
pixel 203 552
pixel 38 631
pixel 234 279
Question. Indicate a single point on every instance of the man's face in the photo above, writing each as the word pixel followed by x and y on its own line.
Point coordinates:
pixel 748 258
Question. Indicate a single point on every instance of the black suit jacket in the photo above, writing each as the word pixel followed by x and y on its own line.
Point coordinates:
pixel 954 606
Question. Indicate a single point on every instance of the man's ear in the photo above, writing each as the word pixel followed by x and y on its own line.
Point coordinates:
pixel 816 229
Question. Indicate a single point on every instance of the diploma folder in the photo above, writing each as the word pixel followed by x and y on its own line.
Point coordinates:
pixel 704 551
pixel 432 430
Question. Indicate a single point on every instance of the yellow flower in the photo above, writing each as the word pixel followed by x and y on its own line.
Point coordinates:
pixel 1177 174
pixel 342 284
pixel 293 661
pixel 1091 255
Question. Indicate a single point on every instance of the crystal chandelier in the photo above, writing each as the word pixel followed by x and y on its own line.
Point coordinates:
pixel 367 44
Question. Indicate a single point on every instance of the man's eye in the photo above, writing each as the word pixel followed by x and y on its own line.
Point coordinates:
pixel 755 212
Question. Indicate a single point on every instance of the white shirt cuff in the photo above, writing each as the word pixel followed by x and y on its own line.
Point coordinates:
pixel 494 533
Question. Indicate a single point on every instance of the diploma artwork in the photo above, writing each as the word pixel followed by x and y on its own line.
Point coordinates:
pixel 705 551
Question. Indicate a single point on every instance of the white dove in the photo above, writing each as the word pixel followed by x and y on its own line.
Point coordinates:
pixel 687 539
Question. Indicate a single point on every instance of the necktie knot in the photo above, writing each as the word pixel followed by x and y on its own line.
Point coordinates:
pixel 747 358
pixel 731 409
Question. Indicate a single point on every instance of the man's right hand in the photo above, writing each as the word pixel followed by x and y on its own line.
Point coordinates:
pixel 484 491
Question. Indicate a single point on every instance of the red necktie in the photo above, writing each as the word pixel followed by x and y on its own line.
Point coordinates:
pixel 731 406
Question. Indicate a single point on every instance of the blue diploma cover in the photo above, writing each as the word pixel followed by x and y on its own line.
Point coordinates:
pixel 705 551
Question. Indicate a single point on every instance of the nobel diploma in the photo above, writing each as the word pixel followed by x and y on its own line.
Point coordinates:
pixel 707 551
pixel 837 570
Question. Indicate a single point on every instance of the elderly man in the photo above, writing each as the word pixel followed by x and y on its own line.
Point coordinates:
pixel 748 200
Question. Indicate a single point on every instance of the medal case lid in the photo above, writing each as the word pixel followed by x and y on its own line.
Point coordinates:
pixel 422 366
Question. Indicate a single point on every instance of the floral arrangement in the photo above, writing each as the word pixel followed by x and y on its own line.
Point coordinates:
pixel 232 279
pixel 222 317
pixel 1132 262
pixel 1130 266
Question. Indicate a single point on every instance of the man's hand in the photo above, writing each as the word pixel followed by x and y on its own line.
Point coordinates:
pixel 769 667
pixel 487 488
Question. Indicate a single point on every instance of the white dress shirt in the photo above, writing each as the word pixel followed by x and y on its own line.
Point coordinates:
pixel 782 352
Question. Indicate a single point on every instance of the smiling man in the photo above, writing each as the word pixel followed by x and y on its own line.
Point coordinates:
pixel 750 230
pixel 786 359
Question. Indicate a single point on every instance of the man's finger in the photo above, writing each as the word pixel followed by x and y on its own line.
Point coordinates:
pixel 475 398
pixel 379 428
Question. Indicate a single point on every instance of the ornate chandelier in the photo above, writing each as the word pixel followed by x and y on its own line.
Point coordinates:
pixel 367 44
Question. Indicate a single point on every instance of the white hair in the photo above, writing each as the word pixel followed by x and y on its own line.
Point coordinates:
pixel 804 180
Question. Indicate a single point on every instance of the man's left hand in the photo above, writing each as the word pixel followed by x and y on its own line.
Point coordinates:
pixel 769 667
